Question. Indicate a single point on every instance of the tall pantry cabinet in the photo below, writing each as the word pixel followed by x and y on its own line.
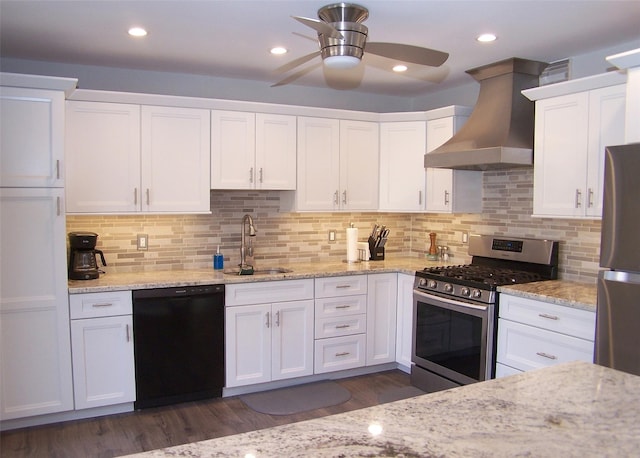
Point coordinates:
pixel 35 352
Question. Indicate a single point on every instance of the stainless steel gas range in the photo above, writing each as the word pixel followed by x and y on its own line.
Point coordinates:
pixel 455 308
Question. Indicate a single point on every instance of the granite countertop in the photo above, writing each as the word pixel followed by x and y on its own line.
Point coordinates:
pixel 571 410
pixel 567 293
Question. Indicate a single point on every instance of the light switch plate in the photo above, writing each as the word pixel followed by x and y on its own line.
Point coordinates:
pixel 332 236
pixel 143 242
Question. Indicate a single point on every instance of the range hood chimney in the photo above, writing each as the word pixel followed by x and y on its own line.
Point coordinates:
pixel 499 132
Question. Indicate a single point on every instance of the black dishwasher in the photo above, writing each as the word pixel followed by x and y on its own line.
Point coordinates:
pixel 178 344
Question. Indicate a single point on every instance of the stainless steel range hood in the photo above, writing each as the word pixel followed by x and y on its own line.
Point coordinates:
pixel 499 132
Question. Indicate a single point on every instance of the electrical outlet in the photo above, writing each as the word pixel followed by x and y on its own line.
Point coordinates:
pixel 465 237
pixel 143 242
pixel 332 236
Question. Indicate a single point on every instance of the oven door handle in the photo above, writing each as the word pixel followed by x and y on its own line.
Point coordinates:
pixel 456 303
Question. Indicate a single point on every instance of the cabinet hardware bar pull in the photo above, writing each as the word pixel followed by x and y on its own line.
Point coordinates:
pixel 342 326
pixel 57 169
pixel 546 355
pixel 578 198
pixel 344 353
pixel 251 175
pixel 335 198
pixel 278 318
pixel 260 174
pixel 342 306
pixel 128 335
pixel 103 304
pixel 446 197
pixel 267 317
pixel 343 286
pixel 58 206
pixel 148 196
pixel 135 196
pixel 344 197
pixel 590 199
pixel 550 317
pixel 419 197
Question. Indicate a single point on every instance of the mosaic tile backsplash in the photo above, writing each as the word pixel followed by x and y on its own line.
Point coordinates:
pixel 189 241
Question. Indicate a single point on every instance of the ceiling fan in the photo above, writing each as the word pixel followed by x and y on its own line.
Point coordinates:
pixel 343 40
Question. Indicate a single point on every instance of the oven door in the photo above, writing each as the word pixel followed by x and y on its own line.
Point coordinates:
pixel 452 338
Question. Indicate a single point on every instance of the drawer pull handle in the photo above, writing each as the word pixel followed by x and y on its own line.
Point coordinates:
pixel 549 317
pixel 104 304
pixel 343 286
pixel 546 355
pixel 128 334
pixel 342 326
pixel 344 353
pixel 342 306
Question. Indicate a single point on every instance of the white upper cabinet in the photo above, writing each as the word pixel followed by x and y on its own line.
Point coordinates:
pixel 31 137
pixel 253 151
pixel 125 158
pixel 402 173
pixel 571 133
pixel 337 165
pixel 447 190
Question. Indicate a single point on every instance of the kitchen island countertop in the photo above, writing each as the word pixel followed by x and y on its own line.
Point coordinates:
pixel 571 410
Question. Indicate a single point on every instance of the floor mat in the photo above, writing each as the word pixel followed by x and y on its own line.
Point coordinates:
pixel 296 399
pixel 396 394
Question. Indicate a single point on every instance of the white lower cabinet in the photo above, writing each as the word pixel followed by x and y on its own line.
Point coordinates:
pixel 382 294
pixel 404 320
pixel 102 348
pixel 270 340
pixel 534 334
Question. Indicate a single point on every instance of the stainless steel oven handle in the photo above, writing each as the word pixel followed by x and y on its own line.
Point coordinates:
pixel 450 301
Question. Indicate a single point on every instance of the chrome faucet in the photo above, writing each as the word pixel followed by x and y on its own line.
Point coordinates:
pixel 244 250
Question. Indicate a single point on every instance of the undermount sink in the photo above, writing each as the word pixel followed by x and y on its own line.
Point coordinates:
pixel 264 271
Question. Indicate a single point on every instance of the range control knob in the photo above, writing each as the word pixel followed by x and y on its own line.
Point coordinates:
pixel 422 282
pixel 465 291
pixel 448 288
pixel 476 294
pixel 432 284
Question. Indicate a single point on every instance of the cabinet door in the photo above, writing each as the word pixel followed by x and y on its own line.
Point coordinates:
pixel 381 318
pixel 560 149
pixel 248 344
pixel 606 127
pixel 275 152
pixel 292 339
pixel 359 159
pixel 233 150
pixel 318 164
pixel 31 137
pixel 103 157
pixel 35 349
pixel 402 173
pixel 404 320
pixel 176 154
pixel 103 367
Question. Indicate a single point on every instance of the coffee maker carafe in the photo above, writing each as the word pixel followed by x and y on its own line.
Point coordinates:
pixel 83 264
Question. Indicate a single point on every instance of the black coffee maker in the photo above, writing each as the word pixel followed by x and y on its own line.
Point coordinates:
pixel 83 264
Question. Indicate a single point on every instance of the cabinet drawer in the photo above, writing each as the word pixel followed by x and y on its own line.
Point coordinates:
pixel 265 292
pixel 340 326
pixel 505 371
pixel 93 305
pixel 347 285
pixel 526 347
pixel 558 318
pixel 339 353
pixel 328 307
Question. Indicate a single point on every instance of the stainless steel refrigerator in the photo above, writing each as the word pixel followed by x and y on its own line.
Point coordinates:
pixel 618 318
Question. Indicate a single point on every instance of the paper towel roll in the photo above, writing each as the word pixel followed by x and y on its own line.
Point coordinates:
pixel 352 244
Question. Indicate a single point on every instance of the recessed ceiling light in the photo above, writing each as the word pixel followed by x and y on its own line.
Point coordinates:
pixel 137 32
pixel 279 50
pixel 399 68
pixel 486 38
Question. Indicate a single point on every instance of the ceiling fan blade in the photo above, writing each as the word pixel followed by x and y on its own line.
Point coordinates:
pixel 408 53
pixel 298 74
pixel 296 62
pixel 320 27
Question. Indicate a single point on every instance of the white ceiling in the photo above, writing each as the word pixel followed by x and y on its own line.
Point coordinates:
pixel 232 38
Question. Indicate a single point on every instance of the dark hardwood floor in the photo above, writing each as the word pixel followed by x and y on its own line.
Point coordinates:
pixel 160 427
